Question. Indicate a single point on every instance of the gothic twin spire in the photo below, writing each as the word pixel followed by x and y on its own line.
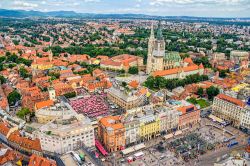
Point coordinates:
pixel 159 35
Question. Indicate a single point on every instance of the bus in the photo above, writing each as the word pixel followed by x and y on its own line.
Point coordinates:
pixel 76 157
pixel 138 155
pixel 229 139
pixel 232 143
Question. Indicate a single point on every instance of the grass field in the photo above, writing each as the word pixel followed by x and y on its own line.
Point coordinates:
pixel 201 102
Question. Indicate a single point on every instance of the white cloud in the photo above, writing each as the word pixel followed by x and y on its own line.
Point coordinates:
pixel 186 2
pixel 91 0
pixel 76 4
pixel 24 5
pixel 43 2
pixel 137 5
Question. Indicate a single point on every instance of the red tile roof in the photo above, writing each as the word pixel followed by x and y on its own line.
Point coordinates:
pixel 43 104
pixel 184 109
pixel 112 121
pixel 133 84
pixel 4 129
pixel 231 100
pixel 176 70
pixel 24 142
pixel 9 156
pixel 36 160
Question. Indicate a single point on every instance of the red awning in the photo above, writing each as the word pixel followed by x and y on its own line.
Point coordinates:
pixel 100 148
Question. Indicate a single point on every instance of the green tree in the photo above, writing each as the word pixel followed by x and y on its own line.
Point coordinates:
pixel 1 67
pixel 192 100
pixel 23 113
pixel 122 71
pixel 12 58
pixel 212 92
pixel 133 70
pixel 13 97
pixel 200 91
pixel 223 73
pixel 24 61
pixel 186 55
pixel 124 84
pixel 54 75
pixel 2 79
pixel 23 72
pixel 2 59
pixel 204 61
pixel 156 83
pixel 70 94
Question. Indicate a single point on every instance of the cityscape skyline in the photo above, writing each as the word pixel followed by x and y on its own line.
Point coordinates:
pixel 206 8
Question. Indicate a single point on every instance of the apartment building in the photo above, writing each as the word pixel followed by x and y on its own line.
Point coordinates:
pixel 229 109
pixel 169 118
pixel 132 128
pixel 245 122
pixel 111 133
pixel 149 125
pixel 48 113
pixel 63 135
pixel 238 56
pixel 127 99
pixel 189 117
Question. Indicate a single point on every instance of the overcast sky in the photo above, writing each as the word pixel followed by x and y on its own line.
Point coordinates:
pixel 210 8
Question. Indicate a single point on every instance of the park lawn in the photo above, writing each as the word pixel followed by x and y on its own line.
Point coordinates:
pixel 124 75
pixel 203 103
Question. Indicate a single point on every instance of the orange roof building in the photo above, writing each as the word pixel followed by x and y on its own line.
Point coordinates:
pixel 3 99
pixel 9 156
pixel 111 132
pixel 79 58
pixel 43 104
pixel 123 61
pixel 229 109
pixel 189 117
pixel 134 84
pixel 36 160
pixel 26 144
pixel 62 88
pixel 4 131
pixel 180 72
pixel 231 100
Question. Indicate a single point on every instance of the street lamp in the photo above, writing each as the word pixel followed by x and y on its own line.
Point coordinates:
pixel 114 162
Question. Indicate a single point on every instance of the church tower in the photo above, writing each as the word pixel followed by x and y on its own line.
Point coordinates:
pixel 50 56
pixel 150 50
pixel 156 51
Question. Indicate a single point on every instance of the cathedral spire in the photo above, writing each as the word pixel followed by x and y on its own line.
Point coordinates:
pixel 159 32
pixel 152 35
pixel 50 55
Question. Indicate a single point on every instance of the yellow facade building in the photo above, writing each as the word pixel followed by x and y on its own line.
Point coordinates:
pixel 149 126
pixel 237 88
pixel 42 66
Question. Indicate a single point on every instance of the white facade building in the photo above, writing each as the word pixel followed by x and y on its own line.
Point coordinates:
pixel 64 135
pixel 245 122
pixel 229 108
pixel 169 118
pixel 132 128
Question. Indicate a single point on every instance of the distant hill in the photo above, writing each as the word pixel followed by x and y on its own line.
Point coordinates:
pixel 24 13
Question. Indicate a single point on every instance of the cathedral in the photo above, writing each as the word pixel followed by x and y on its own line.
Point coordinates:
pixel 168 64
pixel 158 58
